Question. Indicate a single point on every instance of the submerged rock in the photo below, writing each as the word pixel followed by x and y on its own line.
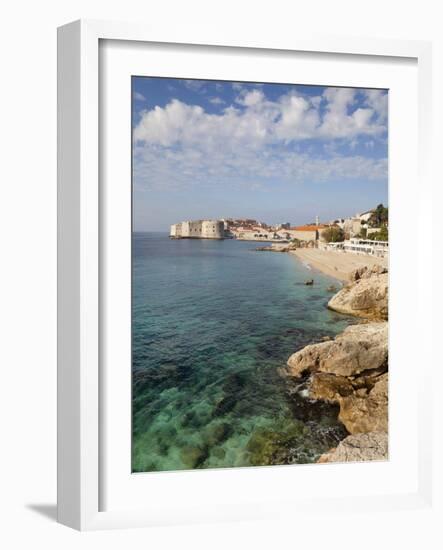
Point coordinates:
pixel 193 456
pixel 359 448
pixel 274 248
pixel 365 297
pixel 219 453
pixel 224 406
pixel 217 433
pixel 268 446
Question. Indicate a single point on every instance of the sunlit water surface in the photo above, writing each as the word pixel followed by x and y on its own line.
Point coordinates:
pixel 212 323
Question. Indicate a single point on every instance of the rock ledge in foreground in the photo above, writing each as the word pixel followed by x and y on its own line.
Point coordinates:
pixel 352 371
pixel 357 349
pixel 359 448
pixel 366 297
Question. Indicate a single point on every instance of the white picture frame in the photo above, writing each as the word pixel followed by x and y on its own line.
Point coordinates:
pixel 80 264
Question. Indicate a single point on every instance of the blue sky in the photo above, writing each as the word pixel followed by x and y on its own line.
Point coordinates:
pixel 274 152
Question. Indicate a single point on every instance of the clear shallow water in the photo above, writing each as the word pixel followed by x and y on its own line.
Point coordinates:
pixel 212 323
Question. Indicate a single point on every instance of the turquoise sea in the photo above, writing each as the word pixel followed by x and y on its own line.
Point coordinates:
pixel 212 323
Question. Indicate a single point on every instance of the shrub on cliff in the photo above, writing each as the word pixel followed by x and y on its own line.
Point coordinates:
pixel 381 235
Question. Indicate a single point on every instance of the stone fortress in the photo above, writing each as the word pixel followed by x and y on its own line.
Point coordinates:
pixel 199 229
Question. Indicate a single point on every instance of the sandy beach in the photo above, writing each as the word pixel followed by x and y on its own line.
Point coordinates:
pixel 336 264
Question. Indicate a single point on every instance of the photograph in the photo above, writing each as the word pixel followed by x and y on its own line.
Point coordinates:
pixel 222 276
pixel 260 252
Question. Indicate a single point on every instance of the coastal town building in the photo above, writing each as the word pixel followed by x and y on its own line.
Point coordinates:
pixel 256 234
pixel 198 229
pixel 353 225
pixel 365 216
pixel 379 249
pixel 303 232
pixel 310 235
pixel 280 226
pixel 366 246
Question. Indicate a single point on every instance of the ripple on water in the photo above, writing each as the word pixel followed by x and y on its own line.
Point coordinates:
pixel 212 323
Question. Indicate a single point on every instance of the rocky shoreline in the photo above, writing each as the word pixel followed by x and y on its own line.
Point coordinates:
pixel 351 370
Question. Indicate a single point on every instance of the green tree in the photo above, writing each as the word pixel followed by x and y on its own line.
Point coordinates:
pixel 382 235
pixel 333 234
pixel 379 216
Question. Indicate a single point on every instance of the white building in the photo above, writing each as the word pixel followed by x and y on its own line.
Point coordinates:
pixel 365 216
pixel 198 229
pixel 362 246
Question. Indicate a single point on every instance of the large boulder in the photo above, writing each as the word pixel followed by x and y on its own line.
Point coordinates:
pixel 329 388
pixel 366 271
pixel 359 448
pixel 350 370
pixel 366 412
pixel 357 349
pixel 365 297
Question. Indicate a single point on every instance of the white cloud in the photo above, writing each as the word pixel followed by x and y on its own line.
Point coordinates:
pixel 169 168
pixel 190 125
pixel 217 101
pixel 378 101
pixel 139 97
pixel 299 119
pixel 194 85
pixel 342 120
pixel 160 167
pixel 250 98
pixel 291 118
pixel 259 138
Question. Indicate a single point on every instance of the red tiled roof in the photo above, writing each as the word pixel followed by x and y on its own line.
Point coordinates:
pixel 308 227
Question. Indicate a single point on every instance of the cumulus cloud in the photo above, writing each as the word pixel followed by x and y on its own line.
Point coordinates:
pixel 377 100
pixel 342 121
pixel 250 98
pixel 258 138
pixel 298 119
pixel 334 115
pixel 190 125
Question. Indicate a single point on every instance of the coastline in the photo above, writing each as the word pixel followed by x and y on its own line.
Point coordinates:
pixel 339 265
pixel 214 399
pixel 306 416
pixel 351 370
